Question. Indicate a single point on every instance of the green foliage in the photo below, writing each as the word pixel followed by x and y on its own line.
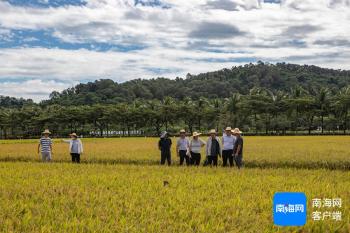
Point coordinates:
pixel 274 99
pixel 218 84
pixel 11 102
pixel 260 111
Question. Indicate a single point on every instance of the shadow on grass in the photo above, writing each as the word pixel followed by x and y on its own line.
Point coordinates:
pixel 262 164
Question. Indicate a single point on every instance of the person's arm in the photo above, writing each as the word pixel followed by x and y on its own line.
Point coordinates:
pixel 51 147
pixel 189 146
pixel 207 148
pixel 159 145
pixel 66 141
pixel 238 149
pixel 188 150
pixel 177 147
pixel 234 142
pixel 202 142
pixel 39 147
pixel 219 143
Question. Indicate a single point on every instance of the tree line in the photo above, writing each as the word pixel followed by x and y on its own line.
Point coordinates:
pixel 218 84
pixel 260 111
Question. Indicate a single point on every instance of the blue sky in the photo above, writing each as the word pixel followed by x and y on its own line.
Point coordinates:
pixel 47 3
pixel 48 45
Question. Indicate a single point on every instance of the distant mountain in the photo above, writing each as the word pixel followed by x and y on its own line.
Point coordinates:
pixel 217 84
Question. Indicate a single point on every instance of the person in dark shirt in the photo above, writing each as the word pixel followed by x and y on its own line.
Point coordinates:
pixel 164 145
pixel 238 148
pixel 213 149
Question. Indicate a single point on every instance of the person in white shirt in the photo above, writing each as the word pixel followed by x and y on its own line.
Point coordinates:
pixel 75 147
pixel 182 148
pixel 228 142
pixel 195 149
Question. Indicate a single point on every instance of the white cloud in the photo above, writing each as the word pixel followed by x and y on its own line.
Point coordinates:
pixel 5 35
pixel 35 89
pixel 180 39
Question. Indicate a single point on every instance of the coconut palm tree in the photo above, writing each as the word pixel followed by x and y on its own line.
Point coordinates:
pixel 322 102
pixel 342 105
pixel 168 110
pixel 232 106
pixel 187 112
pixel 4 122
pixel 201 107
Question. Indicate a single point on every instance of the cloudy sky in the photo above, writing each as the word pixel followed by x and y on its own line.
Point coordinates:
pixel 48 45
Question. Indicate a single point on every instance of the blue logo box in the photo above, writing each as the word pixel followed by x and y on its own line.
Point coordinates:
pixel 289 209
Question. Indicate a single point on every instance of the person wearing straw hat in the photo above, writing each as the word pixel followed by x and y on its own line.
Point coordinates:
pixel 164 146
pixel 195 148
pixel 238 148
pixel 182 148
pixel 45 143
pixel 228 141
pixel 75 147
pixel 213 149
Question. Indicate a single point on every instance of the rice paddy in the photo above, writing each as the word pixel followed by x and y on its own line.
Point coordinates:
pixel 119 187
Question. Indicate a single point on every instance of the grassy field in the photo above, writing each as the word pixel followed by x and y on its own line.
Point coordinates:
pixel 274 152
pixel 120 188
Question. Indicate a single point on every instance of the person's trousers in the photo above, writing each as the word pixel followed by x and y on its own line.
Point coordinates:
pixel 213 160
pixel 227 155
pixel 184 157
pixel 165 156
pixel 195 158
pixel 238 161
pixel 46 156
pixel 205 163
pixel 75 157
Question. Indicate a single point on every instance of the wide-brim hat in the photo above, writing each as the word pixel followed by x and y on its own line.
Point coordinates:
pixel 195 134
pixel 46 131
pixel 228 129
pixel 213 131
pixel 163 134
pixel 73 134
pixel 182 131
pixel 236 131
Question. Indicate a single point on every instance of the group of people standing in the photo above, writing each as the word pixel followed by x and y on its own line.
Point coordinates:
pixel 230 148
pixel 45 147
pixel 189 150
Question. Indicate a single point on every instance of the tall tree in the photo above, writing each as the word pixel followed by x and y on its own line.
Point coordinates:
pixel 322 101
pixel 342 106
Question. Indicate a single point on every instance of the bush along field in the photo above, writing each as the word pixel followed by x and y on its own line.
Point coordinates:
pixel 120 187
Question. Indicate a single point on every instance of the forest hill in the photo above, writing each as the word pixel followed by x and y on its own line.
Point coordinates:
pixel 258 98
pixel 260 111
pixel 218 84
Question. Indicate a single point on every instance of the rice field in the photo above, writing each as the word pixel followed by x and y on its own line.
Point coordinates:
pixel 120 187
pixel 291 151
